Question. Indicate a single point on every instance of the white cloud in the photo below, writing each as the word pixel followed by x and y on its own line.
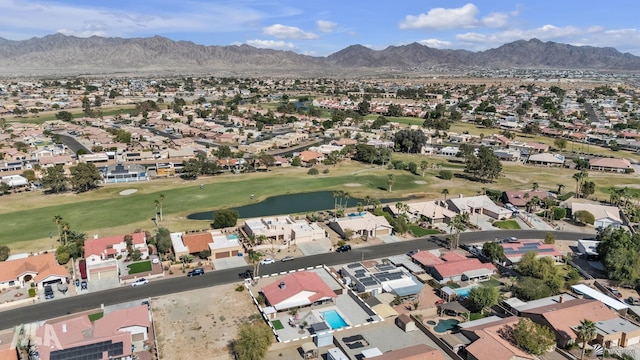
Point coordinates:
pixel 287 32
pixel 326 26
pixel 271 44
pixel 435 43
pixel 455 18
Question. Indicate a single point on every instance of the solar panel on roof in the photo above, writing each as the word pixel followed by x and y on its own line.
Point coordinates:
pixel 354 265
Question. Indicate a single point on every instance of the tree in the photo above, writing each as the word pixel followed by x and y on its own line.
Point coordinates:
pixel 588 188
pixel 363 107
pixel 204 254
pixel 84 176
pixel 559 213
pixel 191 169
pixel 549 238
pixel 58 221
pixel 584 217
pixel 224 218
pixel 390 180
pixel 160 202
pixel 64 116
pixel 560 143
pixel 445 192
pixel 136 255
pixel 534 338
pixel 424 165
pixel 560 187
pixel 163 240
pixel 253 341
pixel 484 297
pixel 4 252
pixel 493 251
pixel 410 141
pixel 445 174
pixel 580 178
pixel 484 166
pixel 535 186
pixel 585 331
pixel 55 179
pixel 254 258
pixel 458 224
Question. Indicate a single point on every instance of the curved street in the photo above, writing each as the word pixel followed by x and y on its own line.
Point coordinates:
pixel 46 310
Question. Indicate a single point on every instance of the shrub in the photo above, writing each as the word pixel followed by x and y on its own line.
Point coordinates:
pixel 63 258
pixel 325 171
pixel 445 174
pixel 240 288
pixel 313 171
pixel 32 292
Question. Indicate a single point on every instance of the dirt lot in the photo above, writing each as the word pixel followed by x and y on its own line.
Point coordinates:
pixel 198 322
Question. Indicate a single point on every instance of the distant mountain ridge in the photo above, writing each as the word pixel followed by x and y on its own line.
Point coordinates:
pixel 60 53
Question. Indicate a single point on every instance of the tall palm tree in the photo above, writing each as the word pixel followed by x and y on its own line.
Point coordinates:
pixel 585 331
pixel 390 180
pixel 560 187
pixel 255 258
pixel 58 221
pixel 458 224
pixel 65 231
pixel 161 201
pixel 368 200
pixel 445 192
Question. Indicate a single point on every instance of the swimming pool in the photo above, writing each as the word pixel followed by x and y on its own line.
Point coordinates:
pixel 334 319
pixel 232 237
pixel 446 325
pixel 463 292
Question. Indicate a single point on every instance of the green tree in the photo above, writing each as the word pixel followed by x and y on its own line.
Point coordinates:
pixel 588 188
pixel 534 338
pixel 204 254
pixel 224 218
pixel 4 252
pixel 584 217
pixel 410 141
pixel 64 116
pixel 254 258
pixel 253 341
pixel 445 174
pixel 55 179
pixel 458 224
pixel 136 255
pixel 484 297
pixel 390 180
pixel 559 213
pixel 585 331
pixel 549 238
pixel 560 143
pixel 163 240
pixel 84 176
pixel 424 165
pixel 493 250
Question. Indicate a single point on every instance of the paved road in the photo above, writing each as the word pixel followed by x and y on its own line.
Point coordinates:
pixel 46 310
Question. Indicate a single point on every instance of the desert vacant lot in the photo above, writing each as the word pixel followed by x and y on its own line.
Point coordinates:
pixel 194 323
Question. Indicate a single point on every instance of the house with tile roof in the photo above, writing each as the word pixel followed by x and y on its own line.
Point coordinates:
pixel 453 266
pixel 301 288
pixel 220 245
pixel 40 269
pixel 520 198
pixel 604 215
pixel 514 251
pixel 117 335
pixel 610 164
pixel 100 249
pixel 489 340
pixel 415 352
pixel 481 204
pixel 563 317
pixel 430 210
pixel 283 229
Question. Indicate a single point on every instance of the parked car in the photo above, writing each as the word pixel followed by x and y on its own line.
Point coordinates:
pixel 155 261
pixel 287 258
pixel 139 282
pixel 84 285
pixel 267 261
pixel 633 301
pixel 343 248
pixel 412 252
pixel 195 272
pixel 247 274
pixel 146 302
pixel 48 292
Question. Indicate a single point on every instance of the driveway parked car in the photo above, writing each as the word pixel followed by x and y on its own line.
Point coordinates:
pixel 287 258
pixel 84 285
pixel 48 292
pixel 247 274
pixel 343 248
pixel 155 261
pixel 195 272
pixel 139 282
pixel 267 261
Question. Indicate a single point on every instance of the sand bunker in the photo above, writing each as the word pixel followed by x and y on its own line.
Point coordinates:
pixel 128 192
pixel 420 182
pixel 352 184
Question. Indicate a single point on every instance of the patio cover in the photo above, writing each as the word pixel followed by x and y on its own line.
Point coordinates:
pixel 454 306
pixel 477 273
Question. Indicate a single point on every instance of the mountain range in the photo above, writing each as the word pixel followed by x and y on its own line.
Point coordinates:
pixel 62 54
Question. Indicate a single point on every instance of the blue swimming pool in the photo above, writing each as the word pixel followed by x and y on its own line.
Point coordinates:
pixel 334 319
pixel 232 237
pixel 446 325
pixel 463 292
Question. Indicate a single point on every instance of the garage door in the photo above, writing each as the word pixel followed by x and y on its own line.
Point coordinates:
pixel 104 274
pixel 234 253
pixel 633 340
pixel 221 255
pixel 52 282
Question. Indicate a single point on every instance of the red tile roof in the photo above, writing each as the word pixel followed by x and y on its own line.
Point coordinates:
pixel 197 242
pixel 491 343
pixel 453 268
pixel 415 352
pixel 116 320
pixel 295 284
pixel 100 245
pixel 427 258
pixel 45 264
pixel 610 163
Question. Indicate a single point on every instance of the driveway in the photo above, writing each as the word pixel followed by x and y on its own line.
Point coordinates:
pixel 316 247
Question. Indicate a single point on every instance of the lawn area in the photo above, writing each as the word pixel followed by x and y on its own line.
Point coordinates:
pixel 77 113
pixel 476 316
pixel 493 282
pixel 96 316
pixel 419 231
pixel 139 267
pixel 277 324
pixel 507 225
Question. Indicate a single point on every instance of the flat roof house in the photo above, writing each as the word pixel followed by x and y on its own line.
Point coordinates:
pixel 221 245
pixel 121 173
pixel 481 204
pixel 283 229
pixel 364 224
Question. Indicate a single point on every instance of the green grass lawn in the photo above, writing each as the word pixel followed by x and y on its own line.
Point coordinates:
pixel 77 113
pixel 277 324
pixel 507 225
pixel 476 316
pixel 139 267
pixel 493 282
pixel 419 232
pixel 96 316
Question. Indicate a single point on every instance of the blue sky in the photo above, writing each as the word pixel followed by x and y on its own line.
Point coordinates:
pixel 323 27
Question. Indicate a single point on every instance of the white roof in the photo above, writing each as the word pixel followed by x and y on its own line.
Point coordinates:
pixel 598 211
pixel 369 353
pixel 547 157
pixel 223 242
pixel 337 354
pixel 178 245
pixel 15 180
pixel 597 295
pixel 476 202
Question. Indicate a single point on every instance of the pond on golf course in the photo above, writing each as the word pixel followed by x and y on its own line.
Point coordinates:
pixel 289 204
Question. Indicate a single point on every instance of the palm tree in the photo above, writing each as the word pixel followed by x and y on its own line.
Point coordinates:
pixel 65 230
pixel 535 186
pixel 58 221
pixel 585 331
pixel 255 258
pixel 560 187
pixel 458 224
pixel 161 201
pixel 156 203
pixel 424 165
pixel 445 192
pixel 390 180
pixel 367 200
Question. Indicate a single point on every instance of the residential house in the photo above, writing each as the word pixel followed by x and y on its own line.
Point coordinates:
pixel 220 245
pixel 381 278
pixel 490 341
pixel 311 157
pixel 302 288
pixel 514 251
pixel 40 270
pixel 121 173
pixel 453 266
pixel 100 249
pixel 449 151
pixel 480 204
pixel 364 224
pixel 546 159
pixel 15 182
pixel 520 198
pixel 610 164
pixel 51 161
pixel 604 215
pixel 430 210
pixel 415 352
pixel 283 229
pixel 117 335
pixel 564 317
